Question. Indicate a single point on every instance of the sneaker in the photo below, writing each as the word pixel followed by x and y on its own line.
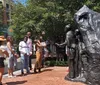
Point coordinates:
pixel 28 72
pixel 35 71
pixel 10 76
pixel 30 68
pixel 39 70
pixel 22 74
pixel 14 76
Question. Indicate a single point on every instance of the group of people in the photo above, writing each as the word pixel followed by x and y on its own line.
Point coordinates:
pixel 25 48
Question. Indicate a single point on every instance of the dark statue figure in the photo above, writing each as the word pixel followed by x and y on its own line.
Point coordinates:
pixel 80 50
pixel 76 48
pixel 89 27
pixel 70 43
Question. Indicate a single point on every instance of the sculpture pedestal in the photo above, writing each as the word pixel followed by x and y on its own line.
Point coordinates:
pixel 77 79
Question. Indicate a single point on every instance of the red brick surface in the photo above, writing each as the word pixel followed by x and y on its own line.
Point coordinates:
pixel 48 76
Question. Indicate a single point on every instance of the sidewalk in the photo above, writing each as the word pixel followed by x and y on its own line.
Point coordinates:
pixel 48 76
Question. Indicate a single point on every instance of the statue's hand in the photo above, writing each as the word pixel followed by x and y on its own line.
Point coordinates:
pixel 57 44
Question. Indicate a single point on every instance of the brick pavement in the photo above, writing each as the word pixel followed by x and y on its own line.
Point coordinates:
pixel 48 76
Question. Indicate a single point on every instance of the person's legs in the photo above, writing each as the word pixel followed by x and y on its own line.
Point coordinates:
pixel 37 61
pixel 35 66
pixel 15 62
pixel 1 74
pixel 27 64
pixel 9 66
pixel 22 66
pixel 9 71
pixel 1 69
pixel 12 65
pixel 30 63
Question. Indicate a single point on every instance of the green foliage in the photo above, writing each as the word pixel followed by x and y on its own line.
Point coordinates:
pixel 1 13
pixel 61 63
pixel 3 28
pixel 50 16
pixel 56 63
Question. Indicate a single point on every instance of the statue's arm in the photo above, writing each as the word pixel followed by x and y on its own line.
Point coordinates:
pixel 63 44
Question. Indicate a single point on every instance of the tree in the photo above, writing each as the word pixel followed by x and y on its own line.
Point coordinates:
pixel 50 16
pixel 1 13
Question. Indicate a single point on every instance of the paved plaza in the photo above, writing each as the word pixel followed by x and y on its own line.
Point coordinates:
pixel 48 76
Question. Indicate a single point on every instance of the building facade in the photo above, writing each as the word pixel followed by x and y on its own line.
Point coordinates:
pixel 7 7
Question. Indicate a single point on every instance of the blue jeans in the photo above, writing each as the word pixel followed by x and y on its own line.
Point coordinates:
pixel 25 64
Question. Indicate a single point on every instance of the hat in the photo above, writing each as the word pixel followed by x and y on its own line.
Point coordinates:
pixel 2 38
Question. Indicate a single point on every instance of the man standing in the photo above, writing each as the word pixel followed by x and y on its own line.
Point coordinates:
pixel 29 42
pixel 24 53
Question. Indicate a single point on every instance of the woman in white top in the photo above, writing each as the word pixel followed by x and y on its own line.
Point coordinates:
pixel 11 52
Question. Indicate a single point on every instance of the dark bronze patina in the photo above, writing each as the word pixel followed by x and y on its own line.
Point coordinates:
pixel 89 27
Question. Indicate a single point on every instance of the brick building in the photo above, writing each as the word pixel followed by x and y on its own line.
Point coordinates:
pixel 7 7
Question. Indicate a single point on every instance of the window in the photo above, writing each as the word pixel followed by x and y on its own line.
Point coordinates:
pixel 7 7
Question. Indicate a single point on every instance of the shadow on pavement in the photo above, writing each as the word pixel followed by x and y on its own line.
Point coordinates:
pixel 46 70
pixel 16 83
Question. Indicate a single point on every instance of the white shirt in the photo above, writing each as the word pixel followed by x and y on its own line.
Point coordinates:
pixel 4 47
pixel 23 48
pixel 29 43
pixel 43 43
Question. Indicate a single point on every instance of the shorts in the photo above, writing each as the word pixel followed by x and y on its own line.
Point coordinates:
pixel 2 62
pixel 11 62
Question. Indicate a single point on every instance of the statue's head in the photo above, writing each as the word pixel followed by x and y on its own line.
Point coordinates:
pixel 70 34
pixel 67 28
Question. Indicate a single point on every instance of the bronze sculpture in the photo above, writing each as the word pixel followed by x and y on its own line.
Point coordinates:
pixel 70 43
pixel 89 26
pixel 84 48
